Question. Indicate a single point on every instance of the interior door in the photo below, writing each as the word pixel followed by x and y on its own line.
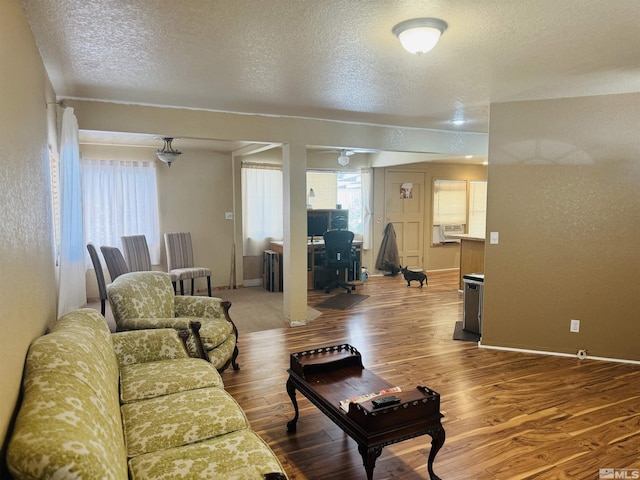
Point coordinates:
pixel 404 208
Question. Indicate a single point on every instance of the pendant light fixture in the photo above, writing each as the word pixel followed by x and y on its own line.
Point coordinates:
pixel 167 154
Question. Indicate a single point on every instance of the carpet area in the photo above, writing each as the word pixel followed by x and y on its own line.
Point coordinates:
pixel 254 309
pixel 342 301
pixel 460 334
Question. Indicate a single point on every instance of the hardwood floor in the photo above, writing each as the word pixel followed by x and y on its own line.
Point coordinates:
pixel 507 415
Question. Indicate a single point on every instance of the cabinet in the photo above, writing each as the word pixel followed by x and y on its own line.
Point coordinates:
pixel 271 271
pixel 471 255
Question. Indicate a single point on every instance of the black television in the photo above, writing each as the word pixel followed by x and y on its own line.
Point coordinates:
pixel 316 226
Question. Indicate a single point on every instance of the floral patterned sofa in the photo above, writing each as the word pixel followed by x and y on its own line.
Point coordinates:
pixel 98 405
pixel 143 300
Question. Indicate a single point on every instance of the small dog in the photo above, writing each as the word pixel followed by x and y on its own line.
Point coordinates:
pixel 410 275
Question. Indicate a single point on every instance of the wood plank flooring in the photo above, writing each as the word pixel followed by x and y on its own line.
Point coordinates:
pixel 508 415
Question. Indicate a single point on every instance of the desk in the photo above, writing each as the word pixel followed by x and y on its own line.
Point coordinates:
pixel 315 250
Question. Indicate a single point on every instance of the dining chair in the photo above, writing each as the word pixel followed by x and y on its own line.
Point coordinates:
pixel 180 261
pixel 136 253
pixel 115 261
pixel 97 266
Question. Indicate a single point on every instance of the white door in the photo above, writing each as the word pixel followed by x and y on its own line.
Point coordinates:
pixel 406 211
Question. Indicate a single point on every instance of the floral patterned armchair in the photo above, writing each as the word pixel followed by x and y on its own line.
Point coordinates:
pixel 143 300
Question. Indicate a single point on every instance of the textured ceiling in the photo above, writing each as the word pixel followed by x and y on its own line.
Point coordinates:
pixel 338 59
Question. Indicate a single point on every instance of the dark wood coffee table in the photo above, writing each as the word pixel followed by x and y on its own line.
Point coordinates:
pixel 329 375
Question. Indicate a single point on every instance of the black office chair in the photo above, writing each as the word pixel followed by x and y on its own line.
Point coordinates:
pixel 337 257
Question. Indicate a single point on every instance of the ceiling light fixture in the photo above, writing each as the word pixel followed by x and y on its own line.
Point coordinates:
pixel 167 154
pixel 419 35
pixel 343 159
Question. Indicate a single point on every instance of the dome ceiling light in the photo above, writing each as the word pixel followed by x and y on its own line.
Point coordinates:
pixel 419 35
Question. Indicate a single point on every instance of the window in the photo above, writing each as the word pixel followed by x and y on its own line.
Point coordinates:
pixel 338 188
pixel 455 209
pixel 120 198
pixel 262 206
pixel 477 208
pixel 449 202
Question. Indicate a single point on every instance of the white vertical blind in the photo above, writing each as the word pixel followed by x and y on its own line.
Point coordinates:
pixel 449 202
pixel 477 208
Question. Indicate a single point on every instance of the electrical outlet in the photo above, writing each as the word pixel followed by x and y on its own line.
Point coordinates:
pixel 228 215
pixel 575 326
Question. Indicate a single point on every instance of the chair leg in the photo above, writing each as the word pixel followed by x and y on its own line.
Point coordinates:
pixel 175 290
pixel 193 290
pixel 234 362
pixel 181 287
pixel 209 285
pixel 103 306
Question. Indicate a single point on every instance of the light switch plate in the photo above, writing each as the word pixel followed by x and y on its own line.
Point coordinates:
pixel 228 215
pixel 494 238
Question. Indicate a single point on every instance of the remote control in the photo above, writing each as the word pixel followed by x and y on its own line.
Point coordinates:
pixel 385 401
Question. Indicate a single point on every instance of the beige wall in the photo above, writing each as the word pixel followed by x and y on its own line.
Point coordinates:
pixel 438 257
pixel 193 196
pixel 28 301
pixel 563 190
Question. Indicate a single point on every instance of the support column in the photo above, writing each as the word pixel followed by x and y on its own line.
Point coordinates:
pixel 294 267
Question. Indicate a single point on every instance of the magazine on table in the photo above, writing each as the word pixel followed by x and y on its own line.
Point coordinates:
pixel 344 404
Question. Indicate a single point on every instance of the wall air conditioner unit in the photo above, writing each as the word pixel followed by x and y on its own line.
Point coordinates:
pixel 452 229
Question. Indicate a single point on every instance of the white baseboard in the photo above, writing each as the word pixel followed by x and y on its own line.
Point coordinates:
pixel 557 354
pixel 252 282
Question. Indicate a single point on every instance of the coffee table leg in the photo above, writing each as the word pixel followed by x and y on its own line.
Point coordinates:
pixel 369 457
pixel 291 390
pixel 437 441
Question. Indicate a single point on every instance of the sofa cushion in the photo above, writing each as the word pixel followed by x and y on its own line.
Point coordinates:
pixel 141 346
pixel 220 355
pixel 153 379
pixel 213 331
pixel 180 419
pixel 240 455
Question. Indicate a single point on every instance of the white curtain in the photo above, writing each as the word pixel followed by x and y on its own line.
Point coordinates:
pixel 366 179
pixel 120 198
pixel 262 206
pixel 71 277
